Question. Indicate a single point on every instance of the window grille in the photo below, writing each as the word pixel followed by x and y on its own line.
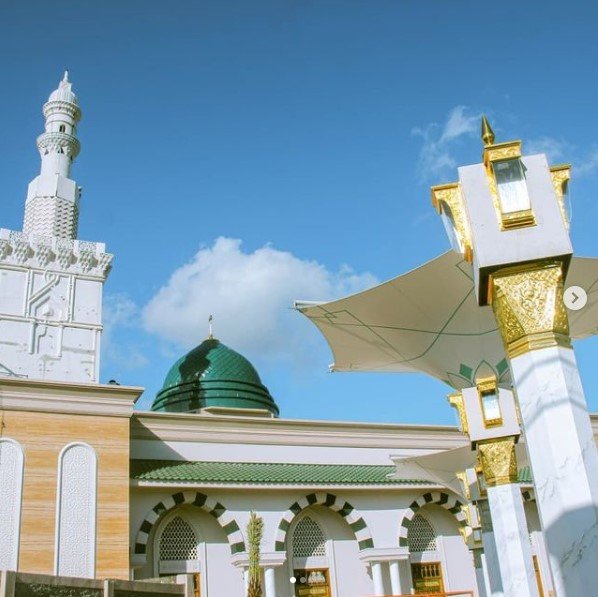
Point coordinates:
pixel 178 541
pixel 308 539
pixel 421 536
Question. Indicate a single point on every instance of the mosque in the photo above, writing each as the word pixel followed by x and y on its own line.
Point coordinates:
pixel 93 488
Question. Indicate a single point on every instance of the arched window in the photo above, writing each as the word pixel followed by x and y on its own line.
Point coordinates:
pixel 11 487
pixel 76 511
pixel 421 536
pixel 308 539
pixel 178 541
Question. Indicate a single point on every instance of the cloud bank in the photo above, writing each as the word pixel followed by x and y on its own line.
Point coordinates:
pixel 436 154
pixel 250 296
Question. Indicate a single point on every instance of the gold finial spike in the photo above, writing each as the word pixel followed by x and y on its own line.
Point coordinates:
pixel 211 334
pixel 487 132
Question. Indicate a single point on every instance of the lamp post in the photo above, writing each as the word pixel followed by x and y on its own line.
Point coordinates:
pixel 488 416
pixel 507 217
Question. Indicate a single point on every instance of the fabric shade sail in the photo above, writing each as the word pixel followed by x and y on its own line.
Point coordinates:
pixel 428 320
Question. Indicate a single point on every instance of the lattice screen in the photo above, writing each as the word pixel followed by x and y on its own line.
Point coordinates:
pixel 308 539
pixel 178 541
pixel 421 536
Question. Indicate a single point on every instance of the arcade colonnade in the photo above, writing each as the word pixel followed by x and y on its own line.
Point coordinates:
pixel 321 540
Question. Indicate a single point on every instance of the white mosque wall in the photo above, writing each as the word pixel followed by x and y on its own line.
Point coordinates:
pixel 196 451
pixel 382 509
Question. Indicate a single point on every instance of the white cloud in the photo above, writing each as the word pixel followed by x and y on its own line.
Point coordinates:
pixel 250 295
pixel 559 150
pixel 436 154
pixel 119 311
pixel 554 149
pixel 588 165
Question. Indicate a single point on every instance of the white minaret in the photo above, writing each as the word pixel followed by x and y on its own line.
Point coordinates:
pixel 51 284
pixel 52 207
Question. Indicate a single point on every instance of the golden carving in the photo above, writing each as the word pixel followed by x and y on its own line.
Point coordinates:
pixel 528 305
pixel 502 151
pixel 456 401
pixel 462 476
pixel 449 195
pixel 560 177
pixel 498 460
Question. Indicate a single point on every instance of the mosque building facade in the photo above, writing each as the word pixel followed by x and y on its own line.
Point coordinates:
pixel 92 488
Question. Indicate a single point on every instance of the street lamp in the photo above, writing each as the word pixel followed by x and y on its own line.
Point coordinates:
pixel 509 216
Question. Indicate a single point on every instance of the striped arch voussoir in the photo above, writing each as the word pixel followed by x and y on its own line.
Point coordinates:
pixel 329 500
pixel 438 498
pixel 193 498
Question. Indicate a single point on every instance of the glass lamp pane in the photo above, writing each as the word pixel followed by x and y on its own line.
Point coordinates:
pixel 491 407
pixel 449 226
pixel 512 190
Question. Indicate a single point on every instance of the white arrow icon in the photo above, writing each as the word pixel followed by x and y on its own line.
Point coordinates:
pixel 575 298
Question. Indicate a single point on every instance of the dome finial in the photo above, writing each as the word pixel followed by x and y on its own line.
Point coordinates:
pixel 65 78
pixel 487 132
pixel 211 334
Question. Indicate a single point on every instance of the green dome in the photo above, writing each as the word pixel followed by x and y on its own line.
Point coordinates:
pixel 213 375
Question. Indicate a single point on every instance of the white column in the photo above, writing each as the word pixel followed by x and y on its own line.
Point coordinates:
pixel 487 587
pixel 564 463
pixel 377 578
pixel 246 579
pixel 479 572
pixel 512 540
pixel 490 556
pixel 270 581
pixel 395 577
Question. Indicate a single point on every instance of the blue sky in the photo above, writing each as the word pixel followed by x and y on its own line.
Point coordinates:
pixel 237 155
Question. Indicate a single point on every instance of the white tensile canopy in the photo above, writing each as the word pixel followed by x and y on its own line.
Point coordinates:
pixel 428 320
pixel 441 468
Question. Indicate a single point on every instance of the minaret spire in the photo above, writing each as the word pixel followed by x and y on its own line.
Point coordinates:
pixel 52 206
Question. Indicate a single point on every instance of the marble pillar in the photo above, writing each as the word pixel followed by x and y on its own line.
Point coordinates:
pixel 395 577
pixel 493 580
pixel 479 572
pixel 269 581
pixel 564 462
pixel 377 578
pixel 512 541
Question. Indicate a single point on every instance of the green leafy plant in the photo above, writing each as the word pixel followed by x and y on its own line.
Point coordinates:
pixel 255 530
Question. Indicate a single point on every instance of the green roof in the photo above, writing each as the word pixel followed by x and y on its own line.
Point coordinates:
pixel 524 475
pixel 213 375
pixel 258 473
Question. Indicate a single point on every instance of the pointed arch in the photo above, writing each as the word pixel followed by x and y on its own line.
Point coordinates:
pixel 422 536
pixel 199 500
pixel 178 541
pixel 308 539
pixel 437 498
pixel 329 500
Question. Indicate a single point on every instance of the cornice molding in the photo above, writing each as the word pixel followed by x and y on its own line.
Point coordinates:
pixel 67 397
pixel 47 253
pixel 252 430
pixel 278 486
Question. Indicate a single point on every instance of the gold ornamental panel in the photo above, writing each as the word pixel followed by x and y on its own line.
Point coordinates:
pixel 529 308
pixel 498 461
pixel 560 177
pixel 449 196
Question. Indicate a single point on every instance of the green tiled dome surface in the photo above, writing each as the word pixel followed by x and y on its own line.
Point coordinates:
pixel 213 375
pixel 265 473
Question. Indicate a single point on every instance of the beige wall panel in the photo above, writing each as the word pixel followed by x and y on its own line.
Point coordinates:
pixel 43 435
